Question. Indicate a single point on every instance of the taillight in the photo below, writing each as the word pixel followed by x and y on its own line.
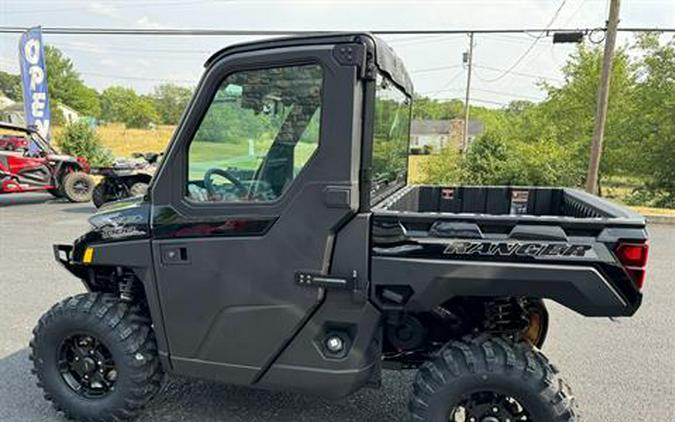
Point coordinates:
pixel 633 257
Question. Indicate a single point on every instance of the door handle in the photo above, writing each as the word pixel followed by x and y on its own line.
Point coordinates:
pixel 172 255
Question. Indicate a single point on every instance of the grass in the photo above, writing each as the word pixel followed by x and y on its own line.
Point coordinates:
pixel 416 168
pixel 654 211
pixel 205 155
pixel 123 142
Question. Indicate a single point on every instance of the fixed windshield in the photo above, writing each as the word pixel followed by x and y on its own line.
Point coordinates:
pixel 390 139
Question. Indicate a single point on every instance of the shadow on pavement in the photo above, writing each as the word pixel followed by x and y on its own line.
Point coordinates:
pixel 88 209
pixel 15 199
pixel 189 400
pixel 22 199
pixel 20 399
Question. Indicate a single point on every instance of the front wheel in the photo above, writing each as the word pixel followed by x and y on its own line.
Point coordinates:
pixel 138 189
pixel 96 359
pixel 77 186
pixel 490 379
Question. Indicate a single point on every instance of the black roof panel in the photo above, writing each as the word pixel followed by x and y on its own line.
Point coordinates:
pixel 385 57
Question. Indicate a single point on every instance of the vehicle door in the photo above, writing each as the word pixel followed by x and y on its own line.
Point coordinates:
pixel 262 172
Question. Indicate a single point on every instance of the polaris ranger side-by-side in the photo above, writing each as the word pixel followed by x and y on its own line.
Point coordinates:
pixel 279 247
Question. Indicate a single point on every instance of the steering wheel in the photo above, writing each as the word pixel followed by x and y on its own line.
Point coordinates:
pixel 208 183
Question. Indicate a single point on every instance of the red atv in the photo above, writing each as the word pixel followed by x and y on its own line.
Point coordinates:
pixel 44 170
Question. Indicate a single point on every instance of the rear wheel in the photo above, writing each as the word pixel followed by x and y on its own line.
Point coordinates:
pixel 95 357
pixel 77 186
pixel 490 379
pixel 98 195
pixel 9 147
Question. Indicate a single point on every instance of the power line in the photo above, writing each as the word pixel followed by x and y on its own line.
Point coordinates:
pixel 478 100
pixel 412 72
pixel 489 91
pixel 496 69
pixel 446 85
pixel 582 3
pixel 417 38
pixel 531 47
pixel 424 39
pixel 262 32
pixel 92 48
pixel 109 7
pixel 508 94
pixel 505 39
pixel 137 78
pixel 434 69
pixel 523 74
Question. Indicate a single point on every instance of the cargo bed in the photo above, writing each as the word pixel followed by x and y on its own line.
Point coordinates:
pixel 556 243
pixel 505 204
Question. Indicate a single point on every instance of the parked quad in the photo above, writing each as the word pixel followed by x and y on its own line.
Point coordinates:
pixel 44 170
pixel 125 178
pixel 296 257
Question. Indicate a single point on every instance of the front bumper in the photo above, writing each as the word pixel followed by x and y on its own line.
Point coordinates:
pixel 64 256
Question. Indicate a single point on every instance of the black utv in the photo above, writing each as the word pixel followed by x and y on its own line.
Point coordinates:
pixel 125 178
pixel 279 247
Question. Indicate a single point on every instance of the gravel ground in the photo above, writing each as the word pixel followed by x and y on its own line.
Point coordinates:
pixel 619 371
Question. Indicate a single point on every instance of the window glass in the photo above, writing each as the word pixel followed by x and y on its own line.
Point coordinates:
pixel 390 138
pixel 261 129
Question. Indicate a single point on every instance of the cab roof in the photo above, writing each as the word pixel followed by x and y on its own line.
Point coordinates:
pixel 385 58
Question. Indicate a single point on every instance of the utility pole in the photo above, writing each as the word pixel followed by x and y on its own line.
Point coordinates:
pixel 603 98
pixel 469 61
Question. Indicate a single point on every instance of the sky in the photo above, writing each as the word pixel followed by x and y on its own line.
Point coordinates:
pixel 434 61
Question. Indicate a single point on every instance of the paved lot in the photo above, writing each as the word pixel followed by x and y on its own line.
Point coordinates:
pixel 620 371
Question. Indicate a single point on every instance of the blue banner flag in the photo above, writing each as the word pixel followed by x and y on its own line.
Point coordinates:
pixel 34 81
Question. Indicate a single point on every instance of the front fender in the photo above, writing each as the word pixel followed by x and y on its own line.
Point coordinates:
pixel 133 255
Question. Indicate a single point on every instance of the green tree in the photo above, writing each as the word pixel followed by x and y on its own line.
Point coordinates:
pixel 119 104
pixel 568 114
pixel 170 101
pixel 444 168
pixel 142 113
pixel 10 86
pixel 548 143
pixel 434 109
pixel 653 124
pixel 79 139
pixel 66 86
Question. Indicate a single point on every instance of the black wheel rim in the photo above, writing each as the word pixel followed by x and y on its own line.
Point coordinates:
pixel 87 367
pixel 488 406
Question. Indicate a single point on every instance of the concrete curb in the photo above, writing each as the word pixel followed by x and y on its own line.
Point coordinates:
pixel 660 218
